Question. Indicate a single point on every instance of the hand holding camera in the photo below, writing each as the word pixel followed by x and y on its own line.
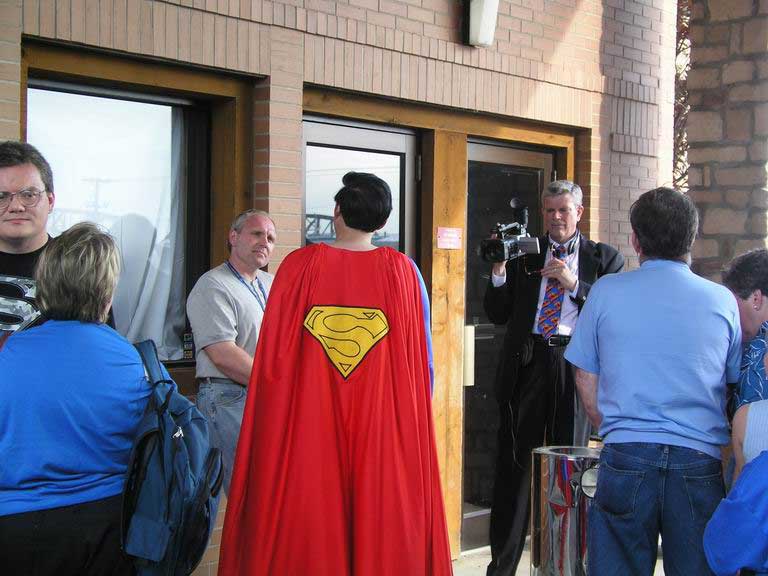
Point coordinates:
pixel 499 268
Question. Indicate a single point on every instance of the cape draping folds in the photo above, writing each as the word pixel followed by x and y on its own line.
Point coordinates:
pixel 338 476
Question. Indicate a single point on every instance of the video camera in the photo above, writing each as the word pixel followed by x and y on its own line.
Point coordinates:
pixel 507 244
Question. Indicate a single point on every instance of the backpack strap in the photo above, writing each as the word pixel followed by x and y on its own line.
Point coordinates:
pixel 148 352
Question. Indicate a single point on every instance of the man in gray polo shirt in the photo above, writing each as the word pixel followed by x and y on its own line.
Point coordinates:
pixel 225 309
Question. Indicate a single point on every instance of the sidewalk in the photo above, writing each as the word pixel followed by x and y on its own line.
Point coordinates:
pixel 474 563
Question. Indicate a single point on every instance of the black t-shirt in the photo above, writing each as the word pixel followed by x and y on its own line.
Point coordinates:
pixel 22 265
pixel 18 307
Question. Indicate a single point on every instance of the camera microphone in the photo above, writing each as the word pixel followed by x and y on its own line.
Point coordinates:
pixel 516 204
pixel 505 244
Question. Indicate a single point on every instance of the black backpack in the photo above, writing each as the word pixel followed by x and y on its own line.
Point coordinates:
pixel 173 483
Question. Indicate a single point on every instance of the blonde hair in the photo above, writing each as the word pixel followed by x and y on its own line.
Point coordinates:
pixel 77 273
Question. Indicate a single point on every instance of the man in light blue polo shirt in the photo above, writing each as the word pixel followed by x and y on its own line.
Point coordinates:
pixel 654 349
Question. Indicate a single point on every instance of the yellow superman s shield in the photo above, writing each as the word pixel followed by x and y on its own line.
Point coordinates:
pixel 346 333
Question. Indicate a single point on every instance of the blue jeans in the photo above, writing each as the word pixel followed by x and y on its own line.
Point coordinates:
pixel 222 403
pixel 644 490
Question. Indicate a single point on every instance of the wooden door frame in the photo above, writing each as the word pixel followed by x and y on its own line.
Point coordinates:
pixel 444 204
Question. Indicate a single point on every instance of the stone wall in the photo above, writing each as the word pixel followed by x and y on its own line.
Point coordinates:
pixel 728 128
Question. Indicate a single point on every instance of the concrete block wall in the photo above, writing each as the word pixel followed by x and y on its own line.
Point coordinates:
pixel 728 129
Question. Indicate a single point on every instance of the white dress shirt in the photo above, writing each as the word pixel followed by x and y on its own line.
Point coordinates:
pixel 570 311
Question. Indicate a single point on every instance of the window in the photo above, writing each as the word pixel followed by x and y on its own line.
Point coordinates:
pixel 332 149
pixel 133 164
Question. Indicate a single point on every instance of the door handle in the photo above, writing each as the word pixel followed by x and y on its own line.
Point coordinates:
pixel 469 355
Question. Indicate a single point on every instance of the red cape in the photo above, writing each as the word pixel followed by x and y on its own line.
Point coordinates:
pixel 336 470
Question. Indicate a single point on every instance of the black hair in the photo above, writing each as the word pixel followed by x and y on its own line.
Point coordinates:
pixel 665 223
pixel 13 153
pixel 747 273
pixel 365 201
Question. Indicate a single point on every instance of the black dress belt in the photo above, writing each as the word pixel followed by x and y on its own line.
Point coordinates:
pixel 556 341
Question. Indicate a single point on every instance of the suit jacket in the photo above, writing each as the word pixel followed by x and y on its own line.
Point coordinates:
pixel 515 302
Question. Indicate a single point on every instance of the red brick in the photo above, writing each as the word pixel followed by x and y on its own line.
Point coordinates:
pixel 722 154
pixel 738 71
pixel 521 12
pixel 393 7
pixel 531 54
pixel 381 19
pixel 729 9
pixel 704 54
pixel 749 93
pixel 741 176
pixel 406 25
pixel 348 11
pixel 703 78
pixel 761 119
pixel 756 36
pixel 738 124
pixel 415 13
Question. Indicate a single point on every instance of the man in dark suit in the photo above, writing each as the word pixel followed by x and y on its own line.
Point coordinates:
pixel 539 297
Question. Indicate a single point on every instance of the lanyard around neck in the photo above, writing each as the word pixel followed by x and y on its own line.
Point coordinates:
pixel 569 246
pixel 262 300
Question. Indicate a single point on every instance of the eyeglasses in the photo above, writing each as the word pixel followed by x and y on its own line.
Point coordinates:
pixel 529 272
pixel 29 197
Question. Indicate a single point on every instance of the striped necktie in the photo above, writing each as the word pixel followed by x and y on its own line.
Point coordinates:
pixel 549 316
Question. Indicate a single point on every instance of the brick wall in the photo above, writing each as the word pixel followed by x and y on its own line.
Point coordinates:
pixel 601 67
pixel 728 129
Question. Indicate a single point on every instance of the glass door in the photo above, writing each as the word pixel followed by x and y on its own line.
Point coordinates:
pixel 497 176
pixel 332 148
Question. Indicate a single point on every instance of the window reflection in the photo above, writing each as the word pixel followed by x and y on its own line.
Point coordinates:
pixel 119 163
pixel 325 167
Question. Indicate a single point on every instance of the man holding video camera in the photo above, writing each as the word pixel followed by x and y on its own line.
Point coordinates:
pixel 539 297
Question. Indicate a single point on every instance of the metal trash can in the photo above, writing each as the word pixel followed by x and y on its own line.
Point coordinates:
pixel 559 510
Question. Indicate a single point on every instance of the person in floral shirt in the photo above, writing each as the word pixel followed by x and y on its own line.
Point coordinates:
pixel 747 278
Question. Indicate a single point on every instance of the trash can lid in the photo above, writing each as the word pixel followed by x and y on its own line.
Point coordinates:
pixel 569 452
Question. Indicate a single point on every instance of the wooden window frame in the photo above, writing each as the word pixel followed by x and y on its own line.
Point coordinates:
pixel 228 97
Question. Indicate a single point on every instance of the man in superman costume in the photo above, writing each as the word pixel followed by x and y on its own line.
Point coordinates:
pixel 336 471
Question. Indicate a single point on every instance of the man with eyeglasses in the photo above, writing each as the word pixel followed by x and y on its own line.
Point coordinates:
pixel 538 297
pixel 26 200
pixel 225 310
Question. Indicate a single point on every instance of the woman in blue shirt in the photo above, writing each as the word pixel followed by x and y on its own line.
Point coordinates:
pixel 72 391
